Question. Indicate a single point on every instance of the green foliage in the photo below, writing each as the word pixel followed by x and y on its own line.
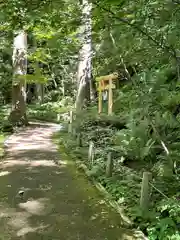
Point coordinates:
pixel 5 127
pixel 48 111
pixel 139 40
pixel 166 224
pixel 135 143
pixel 1 145
pixel 162 222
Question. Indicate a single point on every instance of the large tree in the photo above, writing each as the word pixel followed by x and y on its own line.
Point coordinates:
pixel 19 58
pixel 85 54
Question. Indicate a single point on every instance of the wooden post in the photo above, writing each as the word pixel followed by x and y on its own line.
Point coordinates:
pixel 70 122
pixel 110 98
pixel 74 132
pixel 58 117
pixel 91 153
pixel 100 99
pixel 79 139
pixel 109 165
pixel 145 193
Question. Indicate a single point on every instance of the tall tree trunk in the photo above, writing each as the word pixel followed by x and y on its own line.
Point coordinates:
pixel 84 67
pixel 19 58
pixel 40 92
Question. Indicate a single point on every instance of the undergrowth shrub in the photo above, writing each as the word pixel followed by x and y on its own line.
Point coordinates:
pixel 143 135
pixel 49 111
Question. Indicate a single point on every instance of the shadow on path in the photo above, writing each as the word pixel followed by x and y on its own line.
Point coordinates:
pixel 40 198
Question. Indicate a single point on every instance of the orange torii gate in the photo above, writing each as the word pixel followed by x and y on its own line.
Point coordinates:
pixel 106 83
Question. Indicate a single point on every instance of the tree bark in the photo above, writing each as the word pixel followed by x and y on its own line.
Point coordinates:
pixel 84 67
pixel 19 59
pixel 40 92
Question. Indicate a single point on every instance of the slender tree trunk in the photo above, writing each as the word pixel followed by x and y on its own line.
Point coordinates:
pixel 94 93
pixel 18 112
pixel 40 92
pixel 84 67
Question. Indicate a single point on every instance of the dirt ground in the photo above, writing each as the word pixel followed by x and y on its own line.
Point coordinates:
pixel 41 198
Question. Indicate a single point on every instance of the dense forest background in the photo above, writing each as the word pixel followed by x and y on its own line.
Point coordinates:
pixel 50 55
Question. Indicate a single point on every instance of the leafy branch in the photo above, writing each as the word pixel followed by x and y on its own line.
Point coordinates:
pixel 168 49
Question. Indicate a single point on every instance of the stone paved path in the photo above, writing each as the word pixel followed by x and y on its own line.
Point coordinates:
pixel 41 198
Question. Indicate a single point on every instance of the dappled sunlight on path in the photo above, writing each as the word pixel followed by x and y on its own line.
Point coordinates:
pixel 41 198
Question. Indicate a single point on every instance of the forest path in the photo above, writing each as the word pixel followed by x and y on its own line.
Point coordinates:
pixel 55 202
